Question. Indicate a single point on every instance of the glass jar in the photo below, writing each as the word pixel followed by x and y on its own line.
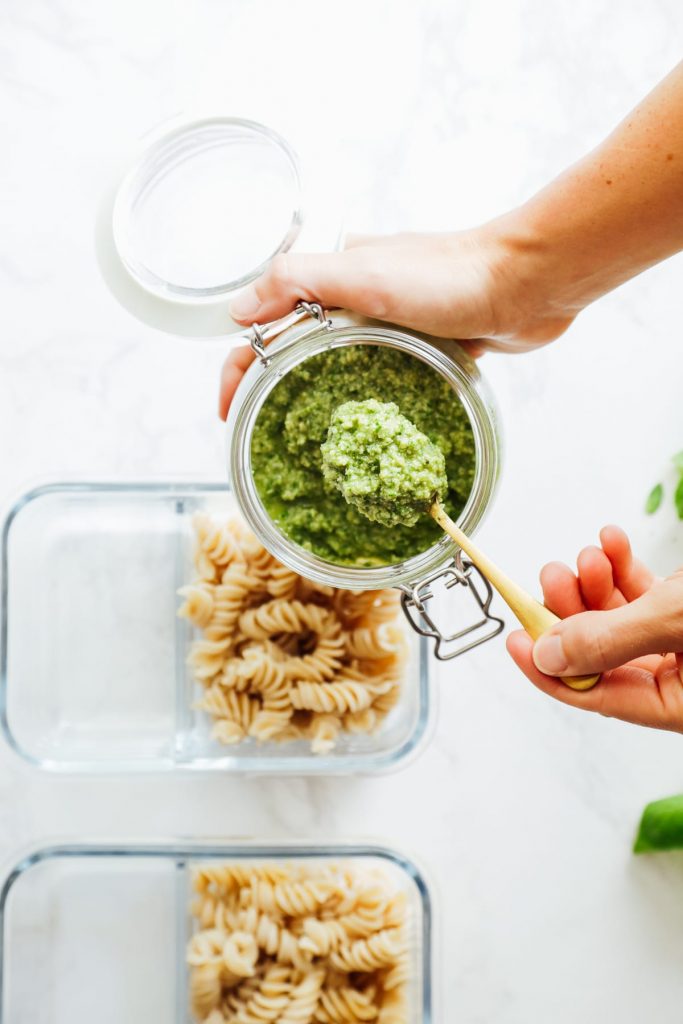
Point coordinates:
pixel 306 333
pixel 80 920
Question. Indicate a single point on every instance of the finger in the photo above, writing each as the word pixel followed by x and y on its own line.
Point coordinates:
pixel 233 370
pixel 400 238
pixel 561 591
pixel 474 349
pixel 520 648
pixel 513 346
pixel 355 241
pixel 628 693
pixel 594 641
pixel 669 678
pixel 349 279
pixel 596 581
pixel 412 285
pixel 649 662
pixel 630 575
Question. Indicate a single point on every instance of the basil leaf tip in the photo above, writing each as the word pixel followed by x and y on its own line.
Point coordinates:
pixel 654 499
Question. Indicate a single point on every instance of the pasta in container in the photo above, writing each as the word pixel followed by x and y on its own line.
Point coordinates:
pixel 222 933
pixel 262 672
pixel 280 658
pixel 319 942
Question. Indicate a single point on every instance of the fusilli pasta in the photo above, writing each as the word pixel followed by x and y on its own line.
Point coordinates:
pixel 298 944
pixel 281 658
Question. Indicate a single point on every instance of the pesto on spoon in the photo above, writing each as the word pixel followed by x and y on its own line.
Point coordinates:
pixel 393 474
pixel 381 462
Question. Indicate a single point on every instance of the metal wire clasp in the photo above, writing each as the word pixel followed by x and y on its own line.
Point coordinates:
pixel 460 572
pixel 260 334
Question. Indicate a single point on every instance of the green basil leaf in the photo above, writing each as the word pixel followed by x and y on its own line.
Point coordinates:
pixel 678 461
pixel 678 498
pixel 654 499
pixel 661 827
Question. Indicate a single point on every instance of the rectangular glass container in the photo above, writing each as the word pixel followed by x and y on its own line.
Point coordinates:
pixel 93 661
pixel 99 933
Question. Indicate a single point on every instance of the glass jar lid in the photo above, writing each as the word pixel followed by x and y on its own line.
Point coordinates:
pixel 207 207
pixel 200 212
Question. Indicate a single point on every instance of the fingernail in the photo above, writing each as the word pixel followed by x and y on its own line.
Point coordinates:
pixel 549 656
pixel 246 305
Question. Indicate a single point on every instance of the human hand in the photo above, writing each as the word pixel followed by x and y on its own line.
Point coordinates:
pixel 618 618
pixel 473 285
pixel 518 281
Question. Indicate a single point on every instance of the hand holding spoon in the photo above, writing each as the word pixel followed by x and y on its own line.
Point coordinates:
pixel 393 473
pixel 533 616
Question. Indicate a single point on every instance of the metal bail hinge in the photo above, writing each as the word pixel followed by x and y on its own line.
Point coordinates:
pixel 260 334
pixel 464 573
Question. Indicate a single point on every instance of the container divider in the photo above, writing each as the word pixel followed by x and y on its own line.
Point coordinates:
pixel 184 507
pixel 183 930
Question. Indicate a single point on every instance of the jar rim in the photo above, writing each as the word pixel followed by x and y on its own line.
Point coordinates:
pixel 284 355
pixel 157 164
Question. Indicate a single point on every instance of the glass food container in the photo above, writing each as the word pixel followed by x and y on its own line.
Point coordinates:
pixel 93 657
pixel 307 332
pixel 100 932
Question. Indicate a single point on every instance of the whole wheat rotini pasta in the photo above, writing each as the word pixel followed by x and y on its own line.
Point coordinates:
pixel 344 1004
pixel 199 603
pixel 282 616
pixel 280 658
pixel 270 999
pixel 281 943
pixel 324 730
pixel 337 697
pixel 216 546
pixel 379 950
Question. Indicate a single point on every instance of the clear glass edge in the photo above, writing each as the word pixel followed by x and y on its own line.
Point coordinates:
pixel 125 199
pixel 355 764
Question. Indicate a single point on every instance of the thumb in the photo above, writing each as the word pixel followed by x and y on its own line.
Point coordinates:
pixel 599 640
pixel 340 279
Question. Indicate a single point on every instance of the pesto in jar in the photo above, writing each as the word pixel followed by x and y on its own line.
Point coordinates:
pixel 294 422
pixel 382 464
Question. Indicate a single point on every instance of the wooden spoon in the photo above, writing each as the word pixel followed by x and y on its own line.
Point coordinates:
pixel 533 615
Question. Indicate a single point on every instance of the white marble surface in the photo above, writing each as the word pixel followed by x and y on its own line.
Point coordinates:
pixel 435 114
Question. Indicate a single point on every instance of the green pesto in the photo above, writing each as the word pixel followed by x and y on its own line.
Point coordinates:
pixel 382 464
pixel 293 424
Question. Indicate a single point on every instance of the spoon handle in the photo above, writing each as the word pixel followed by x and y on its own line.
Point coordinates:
pixel 533 615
